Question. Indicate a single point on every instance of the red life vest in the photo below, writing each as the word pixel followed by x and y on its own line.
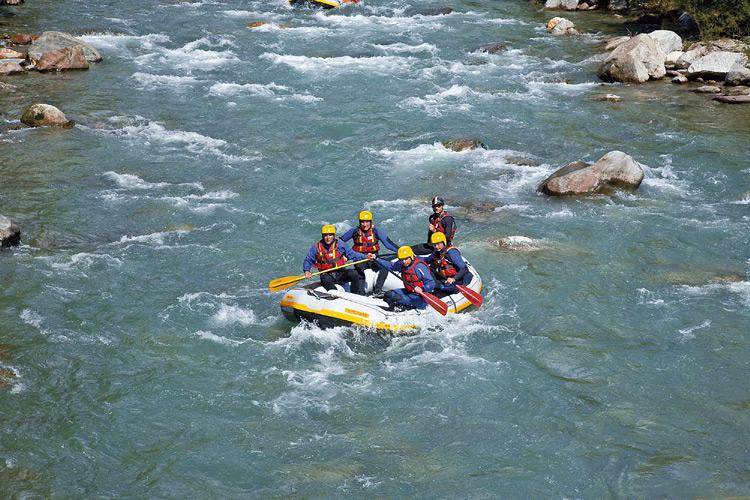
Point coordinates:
pixel 410 276
pixel 437 221
pixel 327 259
pixel 366 242
pixel 443 266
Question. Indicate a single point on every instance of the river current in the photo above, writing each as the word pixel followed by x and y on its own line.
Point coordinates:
pixel 150 360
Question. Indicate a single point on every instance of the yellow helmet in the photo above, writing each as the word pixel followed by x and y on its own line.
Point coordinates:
pixel 365 215
pixel 405 252
pixel 438 238
pixel 328 229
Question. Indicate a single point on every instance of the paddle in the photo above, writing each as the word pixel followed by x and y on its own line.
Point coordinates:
pixel 474 297
pixel 287 281
pixel 433 301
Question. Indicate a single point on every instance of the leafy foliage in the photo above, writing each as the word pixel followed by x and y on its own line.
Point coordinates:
pixel 715 17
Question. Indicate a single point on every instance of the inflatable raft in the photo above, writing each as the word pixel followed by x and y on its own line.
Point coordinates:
pixel 338 307
pixel 325 4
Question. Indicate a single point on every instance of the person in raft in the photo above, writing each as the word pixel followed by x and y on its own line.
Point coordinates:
pixel 416 277
pixel 440 222
pixel 447 265
pixel 329 253
pixel 367 239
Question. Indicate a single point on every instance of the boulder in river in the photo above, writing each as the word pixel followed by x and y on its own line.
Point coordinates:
pixel 615 169
pixel 11 67
pixel 716 65
pixel 680 79
pixel 637 60
pixel 733 99
pixel 607 97
pixel 463 144
pixel 493 48
pixel 53 40
pixel 6 53
pixel 558 26
pixel 21 39
pixel 62 59
pixel 10 233
pixel 614 42
pixel 561 4
pixel 45 115
pixel 671 61
pixel 738 75
pixel 707 89
pixel 668 41
pixel 520 244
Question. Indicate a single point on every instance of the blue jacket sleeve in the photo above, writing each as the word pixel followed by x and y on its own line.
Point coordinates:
pixel 348 235
pixel 428 258
pixel 309 259
pixel 458 261
pixel 426 276
pixel 391 266
pixel 383 237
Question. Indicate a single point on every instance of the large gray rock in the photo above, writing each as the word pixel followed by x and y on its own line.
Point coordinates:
pixel 614 42
pixel 672 59
pixel 10 233
pixel 53 40
pixel 45 115
pixel 637 60
pixel 716 65
pixel 615 169
pixel 668 41
pixel 561 4
pixel 721 44
pixel 738 75
pixel 690 56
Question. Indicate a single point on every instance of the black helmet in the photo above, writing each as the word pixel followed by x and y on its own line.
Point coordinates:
pixel 437 201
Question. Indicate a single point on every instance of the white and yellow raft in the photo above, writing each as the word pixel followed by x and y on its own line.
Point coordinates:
pixel 325 4
pixel 314 303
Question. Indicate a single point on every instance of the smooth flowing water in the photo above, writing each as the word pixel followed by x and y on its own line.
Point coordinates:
pixel 151 361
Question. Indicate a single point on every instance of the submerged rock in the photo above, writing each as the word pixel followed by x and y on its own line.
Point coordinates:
pixel 10 233
pixel 637 60
pixel 53 40
pixel 432 11
pixel 607 97
pixel 615 169
pixel 733 99
pixel 680 79
pixel 463 144
pixel 493 48
pixel 6 377
pixel 256 24
pixel 62 59
pixel 707 89
pixel 45 115
pixel 520 244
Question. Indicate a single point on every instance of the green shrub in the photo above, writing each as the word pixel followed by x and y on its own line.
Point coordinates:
pixel 715 17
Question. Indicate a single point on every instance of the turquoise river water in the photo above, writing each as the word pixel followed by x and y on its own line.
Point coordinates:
pixel 150 360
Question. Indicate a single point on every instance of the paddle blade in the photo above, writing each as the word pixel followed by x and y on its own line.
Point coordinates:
pixel 435 303
pixel 474 297
pixel 285 282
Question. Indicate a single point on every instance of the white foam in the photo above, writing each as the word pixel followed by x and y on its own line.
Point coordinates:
pixel 31 318
pixel 218 338
pixel 742 288
pixel 84 261
pixel 327 65
pixel 456 98
pixel 195 55
pixel 359 21
pixel 687 333
pixel 130 181
pixel 148 81
pixel 227 315
pixel 154 133
pixel 230 89
pixel 122 43
pixel 401 48
pixel 155 238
